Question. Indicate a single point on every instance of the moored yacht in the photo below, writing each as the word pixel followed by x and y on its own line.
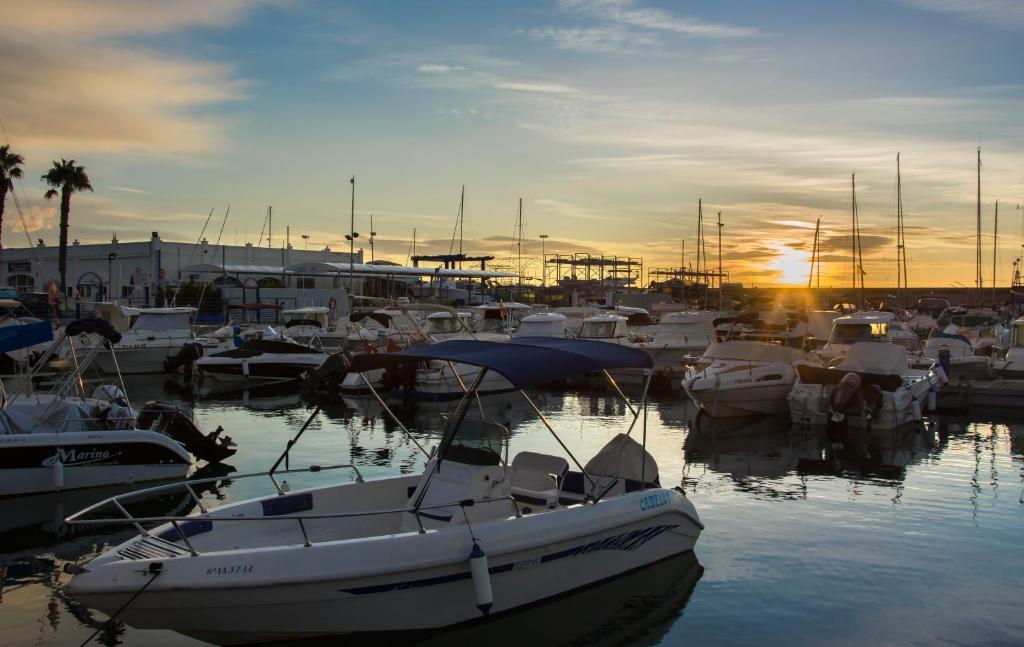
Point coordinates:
pixel 475 534
pixel 955 353
pixel 261 360
pixel 744 378
pixel 152 336
pixel 871 386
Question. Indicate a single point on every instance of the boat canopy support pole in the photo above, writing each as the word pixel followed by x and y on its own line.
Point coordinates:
pixel 615 385
pixel 547 424
pixel 288 448
pixel 449 435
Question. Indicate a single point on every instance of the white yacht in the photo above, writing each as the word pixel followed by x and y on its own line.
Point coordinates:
pixel 68 439
pixel 474 535
pixel 871 386
pixel 152 336
pixel 543 324
pixel 744 378
pixel 955 353
pixel 315 326
pixel 267 360
pixel 1011 364
pixel 851 329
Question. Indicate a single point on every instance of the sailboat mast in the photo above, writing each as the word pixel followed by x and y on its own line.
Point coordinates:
pixel 853 228
pixel 814 254
pixel 899 233
pixel 462 218
pixel 270 225
pixel 859 260
pixel 995 251
pixel 520 249
pixel 977 259
pixel 720 225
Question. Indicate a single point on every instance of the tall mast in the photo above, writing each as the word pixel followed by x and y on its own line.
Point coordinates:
pixel 995 251
pixel 899 234
pixel 270 224
pixel 520 249
pixel 352 239
pixel 373 235
pixel 977 260
pixel 853 228
pixel 720 225
pixel 462 218
pixel 814 253
pixel 858 261
pixel 700 218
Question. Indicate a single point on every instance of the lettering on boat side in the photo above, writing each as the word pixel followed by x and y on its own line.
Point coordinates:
pixel 79 456
pixel 654 500
pixel 526 563
pixel 236 569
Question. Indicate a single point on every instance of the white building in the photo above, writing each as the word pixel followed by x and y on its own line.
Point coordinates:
pixel 133 271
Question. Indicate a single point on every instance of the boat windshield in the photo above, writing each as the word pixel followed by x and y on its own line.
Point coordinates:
pixel 851 333
pixel 600 329
pixel 162 322
pixel 436 325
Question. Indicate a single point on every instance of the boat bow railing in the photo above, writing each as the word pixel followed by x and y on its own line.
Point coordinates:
pixel 118 502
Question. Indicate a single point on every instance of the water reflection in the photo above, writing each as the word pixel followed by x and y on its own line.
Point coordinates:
pixel 800 523
pixel 636 609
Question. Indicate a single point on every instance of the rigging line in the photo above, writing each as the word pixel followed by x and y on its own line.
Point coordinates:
pixel 195 248
pixel 202 292
pixel 156 568
pixel 17 203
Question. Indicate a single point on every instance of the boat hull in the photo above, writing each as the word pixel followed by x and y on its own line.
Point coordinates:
pixel 357 586
pixel 136 361
pixel 738 401
pixel 256 368
pixel 88 459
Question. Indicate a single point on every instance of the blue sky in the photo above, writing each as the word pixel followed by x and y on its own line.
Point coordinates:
pixel 609 118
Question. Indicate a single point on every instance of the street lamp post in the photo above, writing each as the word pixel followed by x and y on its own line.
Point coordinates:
pixel 543 257
pixel 352 237
pixel 305 239
pixel 110 274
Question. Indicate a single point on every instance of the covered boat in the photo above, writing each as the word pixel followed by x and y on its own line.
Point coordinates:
pixel 475 534
pixel 744 378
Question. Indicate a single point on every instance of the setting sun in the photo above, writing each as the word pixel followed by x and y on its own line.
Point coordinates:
pixel 791 265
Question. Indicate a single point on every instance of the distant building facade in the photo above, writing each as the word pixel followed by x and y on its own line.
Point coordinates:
pixel 134 271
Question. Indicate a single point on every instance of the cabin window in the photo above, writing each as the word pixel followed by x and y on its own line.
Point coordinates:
pixel 851 333
pixel 599 329
pixel 441 325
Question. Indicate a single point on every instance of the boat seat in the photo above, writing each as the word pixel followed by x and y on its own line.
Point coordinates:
pixel 538 478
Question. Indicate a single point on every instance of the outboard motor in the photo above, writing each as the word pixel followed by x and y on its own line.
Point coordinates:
pixel 945 361
pixel 170 420
pixel 846 398
pixel 329 375
pixel 185 358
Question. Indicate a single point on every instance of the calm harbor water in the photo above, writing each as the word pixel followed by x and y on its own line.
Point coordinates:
pixel 906 537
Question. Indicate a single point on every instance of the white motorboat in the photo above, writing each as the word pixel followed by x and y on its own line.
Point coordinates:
pixel 261 360
pixel 152 337
pixel 1011 364
pixel 475 535
pixel 956 355
pixel 315 326
pixel 543 324
pixel 872 386
pixel 65 439
pixel 851 329
pixel 744 378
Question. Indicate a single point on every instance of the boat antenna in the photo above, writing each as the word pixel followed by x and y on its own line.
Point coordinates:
pixel 814 253
pixel 901 241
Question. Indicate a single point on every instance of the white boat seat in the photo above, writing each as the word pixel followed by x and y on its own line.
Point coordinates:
pixel 538 478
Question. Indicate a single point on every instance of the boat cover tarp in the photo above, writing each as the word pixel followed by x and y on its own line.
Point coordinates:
pixel 94 326
pixel 21 336
pixel 525 361
pixel 820 375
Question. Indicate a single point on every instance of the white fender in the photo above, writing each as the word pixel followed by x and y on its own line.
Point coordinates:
pixel 481 579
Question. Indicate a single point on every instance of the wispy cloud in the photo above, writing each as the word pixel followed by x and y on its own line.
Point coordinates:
pixel 628 12
pixel 1006 14
pixel 438 68
pixel 535 86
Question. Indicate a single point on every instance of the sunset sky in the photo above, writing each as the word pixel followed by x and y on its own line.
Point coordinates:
pixel 610 119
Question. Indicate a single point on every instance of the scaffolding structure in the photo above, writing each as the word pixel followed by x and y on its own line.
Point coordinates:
pixel 581 269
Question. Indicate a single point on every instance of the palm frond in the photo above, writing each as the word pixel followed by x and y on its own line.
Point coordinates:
pixel 52 193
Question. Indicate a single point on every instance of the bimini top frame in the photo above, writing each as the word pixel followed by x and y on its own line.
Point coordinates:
pixel 525 362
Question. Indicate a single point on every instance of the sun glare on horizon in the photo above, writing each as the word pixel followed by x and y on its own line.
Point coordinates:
pixel 792 265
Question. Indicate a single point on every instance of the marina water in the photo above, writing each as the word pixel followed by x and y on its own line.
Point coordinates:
pixel 897 537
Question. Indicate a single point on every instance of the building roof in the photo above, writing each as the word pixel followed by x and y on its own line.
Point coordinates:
pixel 359 269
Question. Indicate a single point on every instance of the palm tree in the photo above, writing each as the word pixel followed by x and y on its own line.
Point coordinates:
pixel 69 178
pixel 10 170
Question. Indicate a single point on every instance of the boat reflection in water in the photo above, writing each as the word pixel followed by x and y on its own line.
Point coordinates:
pixel 772 448
pixel 635 609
